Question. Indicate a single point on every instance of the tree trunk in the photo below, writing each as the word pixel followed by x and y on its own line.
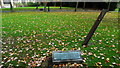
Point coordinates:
pixel 48 8
pixel 54 4
pixel 60 5
pixel 11 6
pixel 37 5
pixel 45 4
pixel 76 6
pixel 84 5
pixel 109 5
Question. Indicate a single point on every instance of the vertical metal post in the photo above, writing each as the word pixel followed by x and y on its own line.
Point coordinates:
pixel 94 27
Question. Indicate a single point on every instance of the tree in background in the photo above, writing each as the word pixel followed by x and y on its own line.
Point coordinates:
pixel 111 5
pixel 60 5
pixel 45 5
pixel 108 4
pixel 84 5
pixel 38 4
pixel 48 4
pixel 54 4
pixel 11 7
pixel 76 6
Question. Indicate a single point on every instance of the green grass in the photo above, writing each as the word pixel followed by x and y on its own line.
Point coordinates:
pixel 30 8
pixel 30 36
pixel 117 9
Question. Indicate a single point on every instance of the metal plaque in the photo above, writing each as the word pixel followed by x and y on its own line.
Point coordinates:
pixel 66 56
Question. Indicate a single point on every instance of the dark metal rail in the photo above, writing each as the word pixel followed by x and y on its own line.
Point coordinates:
pixel 94 27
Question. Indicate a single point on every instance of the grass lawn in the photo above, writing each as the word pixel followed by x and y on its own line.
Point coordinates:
pixel 117 9
pixel 31 8
pixel 28 37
